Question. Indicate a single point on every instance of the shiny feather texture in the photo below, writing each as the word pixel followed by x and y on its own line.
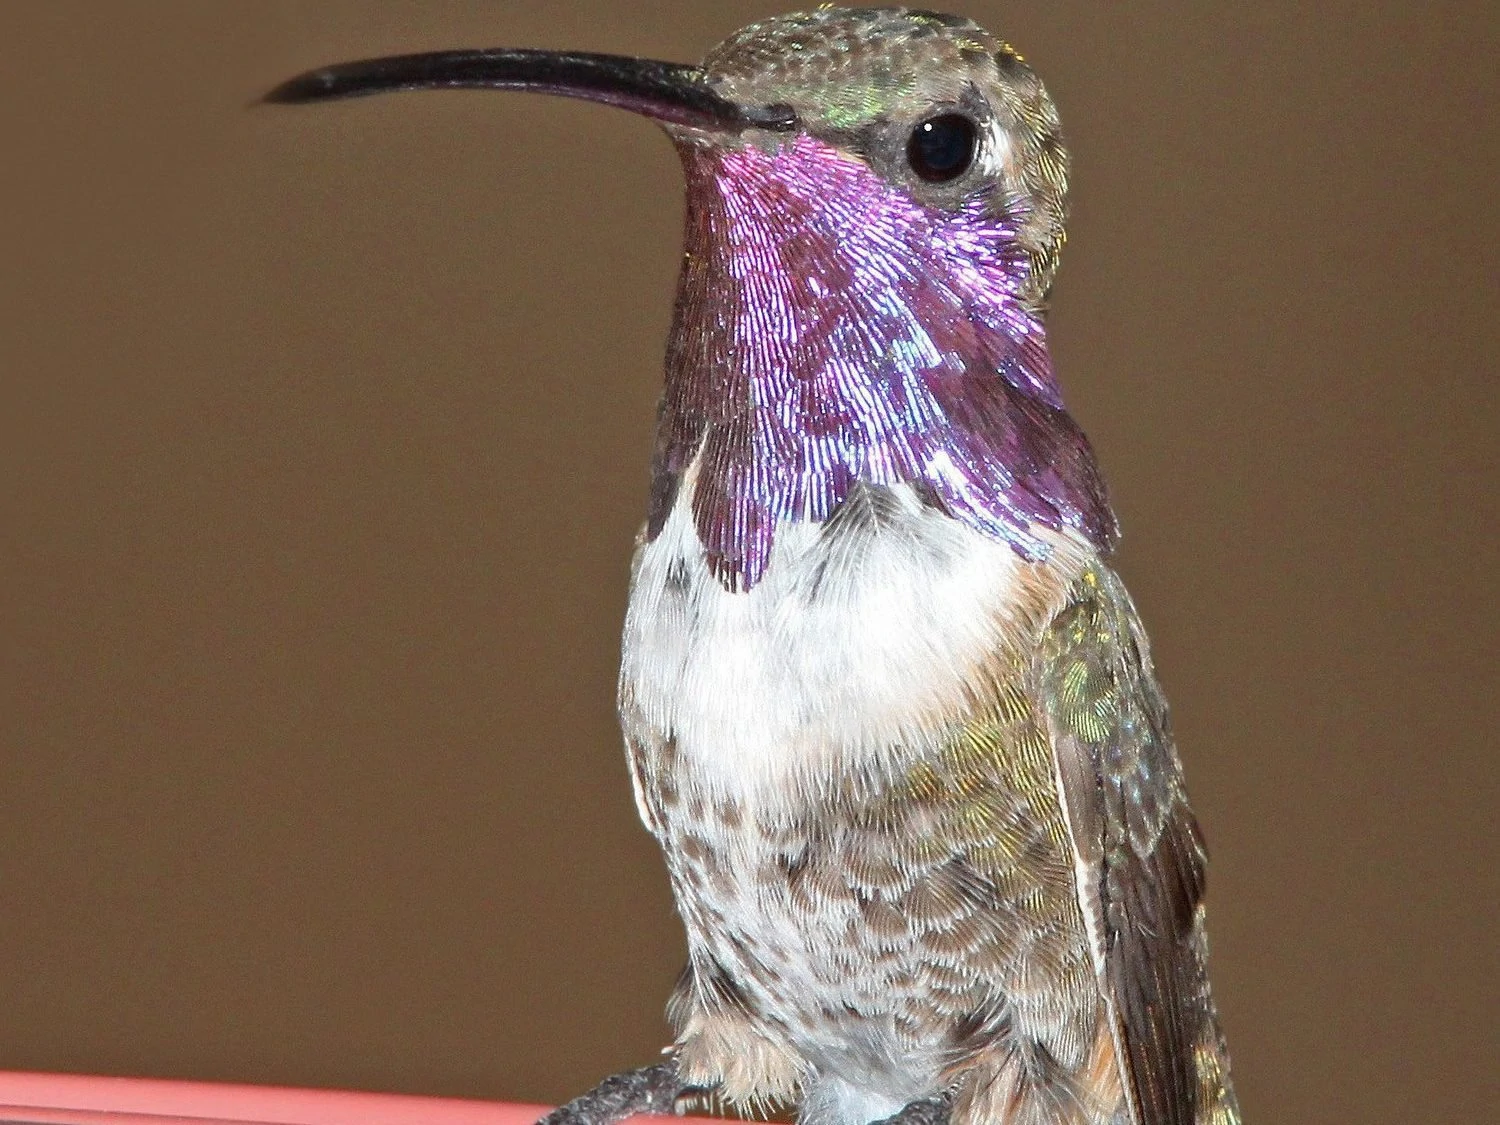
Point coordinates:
pixel 888 711
pixel 830 330
pixel 839 321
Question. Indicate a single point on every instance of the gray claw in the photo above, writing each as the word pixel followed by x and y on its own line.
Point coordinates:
pixel 927 1111
pixel 651 1089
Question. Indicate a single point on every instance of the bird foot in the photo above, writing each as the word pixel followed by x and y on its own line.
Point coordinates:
pixel 926 1111
pixel 651 1089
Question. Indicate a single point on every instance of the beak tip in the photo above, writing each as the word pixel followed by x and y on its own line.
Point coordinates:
pixel 310 87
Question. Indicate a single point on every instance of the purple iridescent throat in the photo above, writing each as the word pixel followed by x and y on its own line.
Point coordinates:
pixel 830 330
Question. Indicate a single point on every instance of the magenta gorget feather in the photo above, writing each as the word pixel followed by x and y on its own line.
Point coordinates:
pixel 830 330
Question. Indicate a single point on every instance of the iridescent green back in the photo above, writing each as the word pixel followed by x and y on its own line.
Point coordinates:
pixel 1141 852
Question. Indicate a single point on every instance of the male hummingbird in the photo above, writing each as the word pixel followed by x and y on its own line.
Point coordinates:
pixel 887 708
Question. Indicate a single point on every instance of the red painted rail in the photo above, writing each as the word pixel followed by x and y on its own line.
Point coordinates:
pixel 76 1099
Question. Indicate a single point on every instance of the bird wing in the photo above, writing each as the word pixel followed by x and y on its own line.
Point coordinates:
pixel 1139 856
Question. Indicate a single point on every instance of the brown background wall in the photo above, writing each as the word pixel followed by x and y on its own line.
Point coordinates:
pixel 324 441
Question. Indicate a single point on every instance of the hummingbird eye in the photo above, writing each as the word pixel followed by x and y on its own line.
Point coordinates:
pixel 942 148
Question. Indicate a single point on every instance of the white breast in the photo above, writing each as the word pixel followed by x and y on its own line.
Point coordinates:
pixel 863 635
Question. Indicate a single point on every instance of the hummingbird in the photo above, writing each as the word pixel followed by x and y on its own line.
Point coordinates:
pixel 887 706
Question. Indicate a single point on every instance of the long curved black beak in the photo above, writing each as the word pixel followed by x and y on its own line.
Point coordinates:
pixel 669 92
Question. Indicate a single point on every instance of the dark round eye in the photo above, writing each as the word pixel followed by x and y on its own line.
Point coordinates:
pixel 942 148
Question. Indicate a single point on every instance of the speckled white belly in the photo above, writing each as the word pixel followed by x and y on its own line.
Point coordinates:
pixel 867 644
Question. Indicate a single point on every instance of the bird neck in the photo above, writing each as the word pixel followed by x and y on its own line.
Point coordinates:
pixel 829 330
